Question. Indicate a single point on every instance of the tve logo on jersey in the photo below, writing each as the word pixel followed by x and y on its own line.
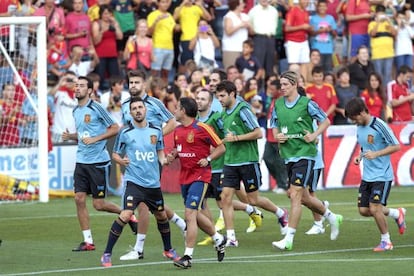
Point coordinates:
pixel 145 156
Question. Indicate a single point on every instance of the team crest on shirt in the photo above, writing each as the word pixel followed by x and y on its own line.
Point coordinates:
pixel 190 137
pixel 87 118
pixel 370 139
pixel 153 139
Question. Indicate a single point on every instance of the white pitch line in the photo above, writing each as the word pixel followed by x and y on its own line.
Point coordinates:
pixel 240 259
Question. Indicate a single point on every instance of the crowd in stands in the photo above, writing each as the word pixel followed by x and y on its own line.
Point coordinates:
pixel 183 45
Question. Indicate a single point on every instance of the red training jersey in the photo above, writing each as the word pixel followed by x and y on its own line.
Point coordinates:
pixel 193 143
pixel 401 113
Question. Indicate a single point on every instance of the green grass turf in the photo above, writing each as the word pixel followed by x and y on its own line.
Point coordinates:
pixel 38 238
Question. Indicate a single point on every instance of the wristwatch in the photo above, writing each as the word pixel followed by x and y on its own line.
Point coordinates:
pixel 208 159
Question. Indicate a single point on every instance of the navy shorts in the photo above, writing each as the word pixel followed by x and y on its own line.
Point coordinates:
pixel 92 178
pixel 374 192
pixel 300 172
pixel 250 175
pixel 215 187
pixel 313 181
pixel 135 194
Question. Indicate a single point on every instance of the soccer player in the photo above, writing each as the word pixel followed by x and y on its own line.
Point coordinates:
pixel 241 161
pixel 139 147
pixel 206 115
pixel 156 114
pixel 94 125
pixel 292 125
pixel 192 140
pixel 377 143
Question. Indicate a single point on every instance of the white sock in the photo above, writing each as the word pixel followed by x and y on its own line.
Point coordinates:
pixel 217 238
pixel 221 214
pixel 386 237
pixel 290 234
pixel 139 245
pixel 87 236
pixel 231 234
pixel 394 213
pixel 189 251
pixel 179 221
pixel 280 212
pixel 331 217
pixel 249 209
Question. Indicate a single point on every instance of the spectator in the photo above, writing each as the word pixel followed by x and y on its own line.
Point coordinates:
pixel 139 53
pixel 248 64
pixel 361 68
pixel 105 32
pixel 329 77
pixel 400 97
pixel 58 58
pixel 203 45
pixel 232 73
pixel 161 27
pixel 180 86
pixel 239 83
pixel 296 35
pixel 188 13
pixel 113 99
pixel 323 94
pixel 96 94
pixel 403 53
pixel 144 8
pixel 78 27
pixel 323 31
pixel 196 79
pixel 79 65
pixel 358 15
pixel 158 89
pixel 374 96
pixel 264 20
pixel 345 91
pixel 65 102
pixel 26 49
pixel 93 11
pixel 124 15
pixel 382 33
pixel 10 117
pixel 55 18
pixel 315 60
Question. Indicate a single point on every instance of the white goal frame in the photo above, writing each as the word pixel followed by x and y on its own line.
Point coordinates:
pixel 39 23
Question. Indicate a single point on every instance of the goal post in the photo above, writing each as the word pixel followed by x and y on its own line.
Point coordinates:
pixel 37 27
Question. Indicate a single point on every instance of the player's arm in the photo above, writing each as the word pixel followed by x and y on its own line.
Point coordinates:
pixel 111 131
pixel 162 158
pixel 123 161
pixel 169 127
pixel 385 151
pixel 66 136
pixel 250 121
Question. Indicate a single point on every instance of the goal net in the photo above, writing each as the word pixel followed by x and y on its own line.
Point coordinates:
pixel 24 118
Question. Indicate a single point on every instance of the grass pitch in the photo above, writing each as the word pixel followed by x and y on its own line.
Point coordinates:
pixel 38 239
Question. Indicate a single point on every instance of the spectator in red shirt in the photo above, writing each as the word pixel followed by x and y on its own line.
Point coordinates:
pixel 296 35
pixel 322 93
pixel 374 96
pixel 400 97
pixel 10 117
pixel 358 15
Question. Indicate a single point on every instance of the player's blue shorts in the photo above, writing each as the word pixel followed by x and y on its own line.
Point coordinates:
pixel 193 194
pixel 300 172
pixel 92 178
pixel 375 192
pixel 250 174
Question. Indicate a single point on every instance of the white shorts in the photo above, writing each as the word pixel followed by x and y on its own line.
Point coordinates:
pixel 297 52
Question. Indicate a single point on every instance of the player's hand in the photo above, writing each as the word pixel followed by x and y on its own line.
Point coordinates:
pixel 281 137
pixel 203 162
pixel 125 161
pixel 370 155
pixel 89 140
pixel 309 137
pixel 66 135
